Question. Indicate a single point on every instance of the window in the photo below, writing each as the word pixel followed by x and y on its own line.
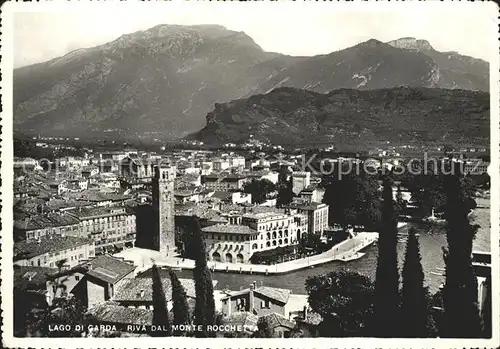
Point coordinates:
pixel 77 277
pixel 265 304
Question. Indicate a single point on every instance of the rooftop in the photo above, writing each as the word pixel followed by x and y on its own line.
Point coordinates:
pixel 112 313
pixel 243 318
pixel 227 177
pixel 52 243
pixel 109 269
pixel 222 195
pixel 32 278
pixel 264 215
pixel 91 212
pixel 278 294
pixel 276 320
pixel 310 206
pixel 131 291
pixel 230 229
pixel 96 196
pixel 34 222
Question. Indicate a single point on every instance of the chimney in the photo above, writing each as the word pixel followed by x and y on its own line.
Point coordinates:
pixel 251 298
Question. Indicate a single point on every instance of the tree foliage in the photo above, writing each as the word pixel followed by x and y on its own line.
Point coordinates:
pixel 285 189
pixel 461 315
pixel 180 306
pixel 259 189
pixel 160 309
pixel 204 312
pixel 387 276
pixel 360 203
pixel 345 301
pixel 414 307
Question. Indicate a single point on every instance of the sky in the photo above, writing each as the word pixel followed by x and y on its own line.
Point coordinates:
pixel 294 29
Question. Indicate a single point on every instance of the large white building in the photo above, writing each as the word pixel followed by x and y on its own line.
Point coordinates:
pixel 252 232
pixel 300 181
pixel 317 214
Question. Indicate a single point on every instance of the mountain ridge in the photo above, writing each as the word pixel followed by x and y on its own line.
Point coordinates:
pixel 348 116
pixel 163 81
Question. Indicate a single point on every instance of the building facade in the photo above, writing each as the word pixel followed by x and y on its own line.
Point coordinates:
pixel 237 241
pixel 260 301
pixel 50 251
pixel 300 181
pixel 317 215
pixel 109 227
pixel 224 182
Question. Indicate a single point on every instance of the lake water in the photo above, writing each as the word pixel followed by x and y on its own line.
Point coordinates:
pixel 430 249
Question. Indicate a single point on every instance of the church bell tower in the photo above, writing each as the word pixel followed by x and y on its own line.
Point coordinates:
pixel 163 205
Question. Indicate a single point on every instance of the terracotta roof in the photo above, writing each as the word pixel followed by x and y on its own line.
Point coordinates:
pixel 32 278
pixel 53 243
pixel 243 318
pixel 96 196
pixel 131 291
pixel 109 269
pixel 312 319
pixel 279 294
pixel 276 320
pixel 222 195
pixel 112 313
pixel 92 212
pixel 34 222
pixel 230 229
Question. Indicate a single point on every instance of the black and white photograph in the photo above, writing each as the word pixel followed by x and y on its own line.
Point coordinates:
pixel 238 172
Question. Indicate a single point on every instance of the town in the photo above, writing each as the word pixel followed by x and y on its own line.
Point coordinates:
pixel 96 227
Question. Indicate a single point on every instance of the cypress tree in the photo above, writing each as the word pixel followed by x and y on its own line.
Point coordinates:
pixel 414 308
pixel 160 310
pixel 387 276
pixel 461 315
pixel 204 311
pixel 179 302
pixel 285 189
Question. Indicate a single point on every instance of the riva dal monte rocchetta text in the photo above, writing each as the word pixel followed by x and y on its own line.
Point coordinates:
pixel 148 328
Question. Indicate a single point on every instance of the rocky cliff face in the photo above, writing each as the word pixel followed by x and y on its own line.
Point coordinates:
pixel 352 117
pixel 162 82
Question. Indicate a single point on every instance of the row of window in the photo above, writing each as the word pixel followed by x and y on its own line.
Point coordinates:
pixel 276 225
pixel 229 237
pixel 118 231
pixel 109 219
pixel 271 244
pixel 38 262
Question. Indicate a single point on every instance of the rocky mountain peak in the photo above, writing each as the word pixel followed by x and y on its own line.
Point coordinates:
pixel 412 44
pixel 164 80
pixel 371 43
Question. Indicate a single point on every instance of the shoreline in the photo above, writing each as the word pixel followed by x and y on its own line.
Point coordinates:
pixel 340 252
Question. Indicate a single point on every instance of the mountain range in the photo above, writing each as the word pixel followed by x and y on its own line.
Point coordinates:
pixel 355 118
pixel 162 82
